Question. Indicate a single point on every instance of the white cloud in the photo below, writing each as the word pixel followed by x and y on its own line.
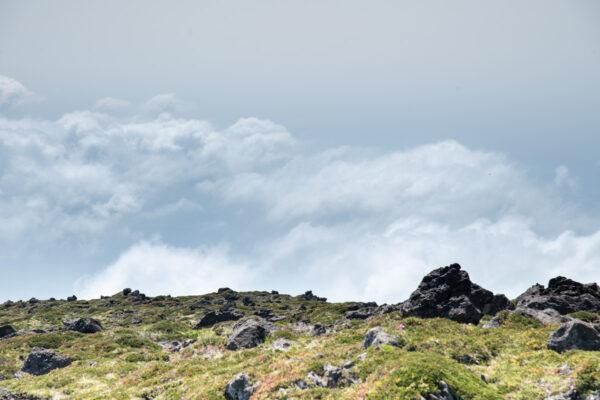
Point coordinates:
pixel 112 105
pixel 156 268
pixel 12 92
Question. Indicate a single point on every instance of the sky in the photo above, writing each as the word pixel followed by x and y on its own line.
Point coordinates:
pixel 344 147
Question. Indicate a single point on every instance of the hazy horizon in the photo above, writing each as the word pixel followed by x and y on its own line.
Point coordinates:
pixel 345 148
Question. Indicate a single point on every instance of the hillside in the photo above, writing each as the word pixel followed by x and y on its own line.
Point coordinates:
pixel 442 343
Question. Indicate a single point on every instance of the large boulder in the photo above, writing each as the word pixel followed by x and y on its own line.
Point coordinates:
pixel 449 293
pixel 239 388
pixel 563 295
pixel 83 325
pixel 6 331
pixel 545 316
pixel 213 317
pixel 40 361
pixel 574 335
pixel 246 334
pixel 377 337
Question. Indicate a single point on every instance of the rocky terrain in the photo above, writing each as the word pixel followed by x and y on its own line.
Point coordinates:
pixel 451 339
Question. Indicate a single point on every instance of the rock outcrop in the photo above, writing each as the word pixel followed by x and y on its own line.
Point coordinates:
pixel 563 295
pixel 239 388
pixel 377 337
pixel 246 334
pixel 449 293
pixel 213 317
pixel 83 325
pixel 40 361
pixel 574 335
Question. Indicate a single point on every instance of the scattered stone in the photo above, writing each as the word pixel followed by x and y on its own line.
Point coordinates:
pixel 213 317
pixel 308 295
pixel 362 357
pixel 239 388
pixel 126 292
pixel 318 330
pixel 83 325
pixel 248 302
pixel 6 331
pixel 246 334
pixel 40 361
pixel 563 295
pixel 377 337
pixel 176 346
pixel 282 344
pixel 333 377
pixel 448 292
pixel 72 298
pixel 493 323
pixel 359 314
pixel 33 300
pixel 443 394
pixel 574 335
pixel 301 383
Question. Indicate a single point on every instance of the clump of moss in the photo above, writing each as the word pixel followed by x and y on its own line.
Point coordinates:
pixel 586 316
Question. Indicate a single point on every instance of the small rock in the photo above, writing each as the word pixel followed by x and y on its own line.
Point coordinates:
pixel 565 370
pixel 308 295
pixel 362 357
pixel 41 361
pixel 443 394
pixel 377 336
pixel 282 344
pixel 239 388
pixel 318 330
pixel 126 292
pixel 301 384
pixel 72 298
pixel 493 323
pixel 83 325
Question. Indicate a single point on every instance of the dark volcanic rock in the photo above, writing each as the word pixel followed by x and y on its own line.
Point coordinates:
pixel 563 295
pixel 318 330
pixel 246 334
pixel 83 325
pixel 239 388
pixel 308 295
pixel 574 335
pixel 7 330
pixel 377 337
pixel 213 317
pixel 72 298
pixel 41 361
pixel 359 314
pixel 449 293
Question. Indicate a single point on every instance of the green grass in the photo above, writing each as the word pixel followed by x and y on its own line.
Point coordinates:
pixel 125 361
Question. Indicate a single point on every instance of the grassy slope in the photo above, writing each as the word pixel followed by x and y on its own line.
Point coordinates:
pixel 129 365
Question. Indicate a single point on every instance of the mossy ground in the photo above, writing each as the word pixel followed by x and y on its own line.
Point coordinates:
pixel 125 362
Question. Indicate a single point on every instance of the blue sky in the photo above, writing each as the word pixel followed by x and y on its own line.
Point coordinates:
pixel 345 147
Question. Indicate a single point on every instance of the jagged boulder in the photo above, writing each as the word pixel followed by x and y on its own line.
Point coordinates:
pixel 443 394
pixel 7 330
pixel 213 317
pixel 246 334
pixel 448 292
pixel 377 337
pixel 574 335
pixel 318 329
pixel 545 316
pixel 308 295
pixel 563 295
pixel 40 361
pixel 83 325
pixel 239 388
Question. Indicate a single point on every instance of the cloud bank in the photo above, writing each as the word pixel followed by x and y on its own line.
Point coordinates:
pixel 347 222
